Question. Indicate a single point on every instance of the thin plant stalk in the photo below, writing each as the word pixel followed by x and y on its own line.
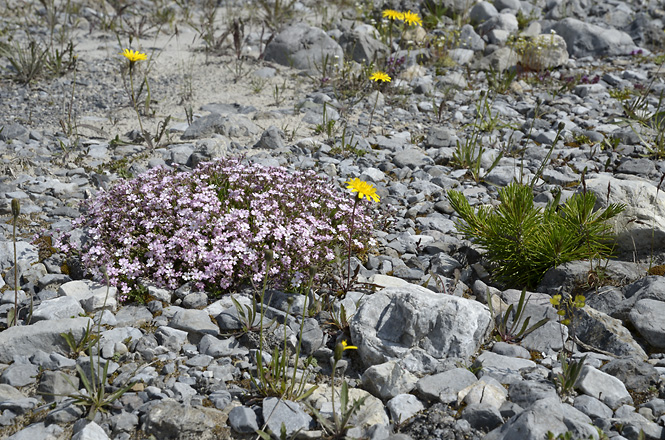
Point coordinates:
pixel 16 211
pixel 371 117
pixel 135 105
pixel 390 33
pixel 259 355
pixel 332 393
pixel 302 328
pixel 348 258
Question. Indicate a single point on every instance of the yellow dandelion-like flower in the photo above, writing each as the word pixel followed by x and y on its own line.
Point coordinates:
pixel 363 189
pixel 133 55
pixel 412 18
pixel 391 14
pixel 348 347
pixel 339 349
pixel 380 76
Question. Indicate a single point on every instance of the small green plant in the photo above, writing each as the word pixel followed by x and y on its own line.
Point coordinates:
pixel 347 148
pixel 37 59
pixel 435 14
pixel 533 51
pixel 257 84
pixel 652 132
pixel 523 20
pixel 500 81
pixel 570 370
pixel 469 154
pixel 246 315
pixel 278 94
pixel 568 435
pixel 277 13
pixel 83 345
pixel 272 378
pixel 486 120
pixel 620 94
pixel 339 318
pixel 28 62
pixel 522 242
pixel 512 327
pixel 580 139
pixel 206 28
pixel 327 125
pixel 95 396
pixel 338 428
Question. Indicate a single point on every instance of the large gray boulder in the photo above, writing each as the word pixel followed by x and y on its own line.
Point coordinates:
pixel 585 39
pixel 169 419
pixel 362 47
pixel 228 125
pixel 418 326
pixel 24 251
pixel 304 47
pixel 388 380
pixel 565 277
pixel 545 415
pixel 482 11
pixel 648 317
pixel 599 330
pixel 445 386
pixel 641 226
pixel 57 308
pixel 604 387
pixel 43 335
pixel 284 414
pixel 92 295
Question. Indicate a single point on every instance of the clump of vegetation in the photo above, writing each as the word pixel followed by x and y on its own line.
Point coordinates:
pixel 533 52
pixel 522 241
pixel 214 225
pixel 512 327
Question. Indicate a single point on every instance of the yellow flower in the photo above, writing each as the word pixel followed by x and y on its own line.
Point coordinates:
pixel 339 349
pixel 411 18
pixel 133 55
pixel 393 15
pixel 380 76
pixel 555 300
pixel 348 347
pixel 363 189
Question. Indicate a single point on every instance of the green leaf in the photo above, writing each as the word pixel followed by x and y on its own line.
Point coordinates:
pixel 264 435
pixel 344 397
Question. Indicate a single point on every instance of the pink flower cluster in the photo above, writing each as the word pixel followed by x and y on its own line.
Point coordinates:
pixel 213 225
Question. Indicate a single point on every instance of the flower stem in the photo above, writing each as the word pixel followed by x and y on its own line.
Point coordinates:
pixel 371 117
pixel 259 356
pixel 332 394
pixel 136 108
pixel 390 32
pixel 348 259
pixel 15 274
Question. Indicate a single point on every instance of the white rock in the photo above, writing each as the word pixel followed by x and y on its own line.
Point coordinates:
pixel 604 387
pixel 419 326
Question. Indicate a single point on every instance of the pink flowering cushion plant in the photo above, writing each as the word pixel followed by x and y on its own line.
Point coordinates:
pixel 213 225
